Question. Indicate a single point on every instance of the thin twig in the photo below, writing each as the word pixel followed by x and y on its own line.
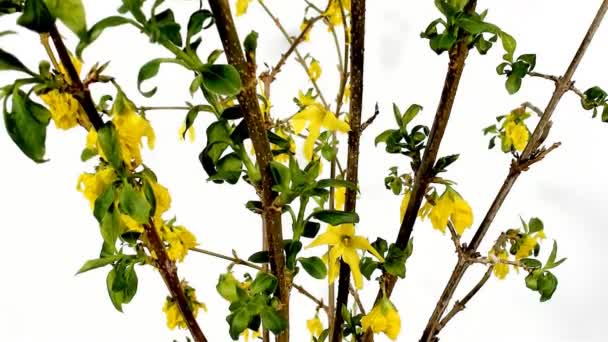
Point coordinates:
pixel 556 80
pixel 535 109
pixel 355 294
pixel 460 305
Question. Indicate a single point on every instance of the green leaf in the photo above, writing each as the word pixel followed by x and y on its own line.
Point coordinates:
pixel 134 204
pixel 383 137
pixel 251 42
pixel 10 62
pixel 232 113
pixel 110 228
pixel 227 286
pixel 314 266
pixel 535 225
pixel 281 176
pixel 229 168
pixel 411 113
pixel 380 245
pixel 476 26
pixel 26 125
pixel 164 27
pixel 97 29
pixel 107 137
pixel 36 16
pixel 149 70
pixel 71 13
pixel 335 217
pixel 513 83
pixel 97 263
pixel 239 322
pixel 336 183
pixel 260 257
pixel 531 263
pixel 273 321
pixel 115 296
pixel 532 281
pixel 547 284
pixel 368 266
pixel 103 203
pixel 394 262
pixel 311 229
pixel 292 248
pixel 551 263
pixel 264 283
pixel 199 20
pixel 222 79
pixel 509 44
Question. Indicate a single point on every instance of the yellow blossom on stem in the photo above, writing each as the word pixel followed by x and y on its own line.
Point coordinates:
pixel 500 269
pixel 383 318
pixel 315 327
pixel 314 70
pixel 451 206
pixel 344 244
pixel 316 116
pixel 131 128
pixel 163 198
pixel 174 315
pixel 179 241
pixel 247 332
pixel 516 134
pixel 334 13
pixel 303 26
pixel 527 244
pixel 241 7
pixel 130 223
pixel 284 157
pixel 92 185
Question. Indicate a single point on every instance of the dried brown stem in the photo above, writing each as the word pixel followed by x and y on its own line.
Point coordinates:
pixel 352 167
pixel 527 158
pixel 255 123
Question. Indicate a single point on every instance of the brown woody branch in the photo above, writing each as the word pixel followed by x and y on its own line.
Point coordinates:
pixel 352 167
pixel 255 123
pixel 166 267
pixel 516 169
pixel 457 55
pixel 556 80
pixel 82 94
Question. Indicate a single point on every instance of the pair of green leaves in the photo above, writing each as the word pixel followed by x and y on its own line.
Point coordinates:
pixel 516 71
pixel 593 98
pixel 395 259
pixel 39 15
pixel 540 279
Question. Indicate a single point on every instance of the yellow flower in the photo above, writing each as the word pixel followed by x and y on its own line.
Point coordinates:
pixel 316 116
pixel 453 207
pixel 334 13
pixel 344 243
pixel 173 313
pixel 314 70
pixel 500 269
pixel 516 134
pixel 404 202
pixel 131 128
pixel 163 198
pixel 254 334
pixel 303 27
pixel 346 96
pixel 191 133
pixel 131 224
pixel 65 110
pixel 527 244
pixel 339 198
pixel 383 318
pixel 315 327
pixel 92 185
pixel 241 7
pixel 180 240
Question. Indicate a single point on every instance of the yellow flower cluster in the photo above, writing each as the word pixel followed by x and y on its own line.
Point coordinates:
pixel 131 128
pixel 527 244
pixel 314 70
pixel 516 133
pixel 173 313
pixel 383 318
pixel 501 269
pixel 315 116
pixel 66 111
pixel 179 241
pixel 344 244
pixel 450 206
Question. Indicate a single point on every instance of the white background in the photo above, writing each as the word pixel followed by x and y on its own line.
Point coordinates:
pixel 48 230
